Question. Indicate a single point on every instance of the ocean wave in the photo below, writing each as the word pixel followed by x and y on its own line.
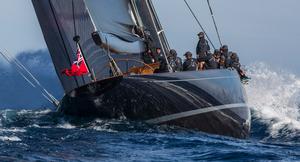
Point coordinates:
pixel 10 139
pixel 34 112
pixel 38 126
pixel 66 126
pixel 13 130
pixel 275 98
pixel 104 129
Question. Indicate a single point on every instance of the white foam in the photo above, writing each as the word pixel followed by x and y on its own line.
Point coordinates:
pixel 38 126
pixel 14 130
pixel 4 114
pixel 12 138
pixel 66 126
pixel 104 129
pixel 35 112
pixel 275 98
pixel 103 126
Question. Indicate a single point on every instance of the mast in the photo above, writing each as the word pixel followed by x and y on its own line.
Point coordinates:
pixel 152 23
pixel 159 26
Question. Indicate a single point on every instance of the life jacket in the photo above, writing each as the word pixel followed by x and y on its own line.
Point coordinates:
pixel 190 65
pixel 175 63
pixel 212 63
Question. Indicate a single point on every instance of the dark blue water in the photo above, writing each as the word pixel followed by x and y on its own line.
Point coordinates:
pixel 41 135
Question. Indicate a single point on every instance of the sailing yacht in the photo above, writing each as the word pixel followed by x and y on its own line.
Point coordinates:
pixel 112 36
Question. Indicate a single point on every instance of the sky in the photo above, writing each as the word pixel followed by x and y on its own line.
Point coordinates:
pixel 258 30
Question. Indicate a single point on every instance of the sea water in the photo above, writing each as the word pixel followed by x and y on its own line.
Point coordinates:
pixel 43 135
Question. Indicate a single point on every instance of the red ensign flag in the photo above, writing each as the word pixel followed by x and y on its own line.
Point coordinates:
pixel 78 67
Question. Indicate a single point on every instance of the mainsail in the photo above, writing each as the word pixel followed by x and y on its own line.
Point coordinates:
pixel 114 20
pixel 57 23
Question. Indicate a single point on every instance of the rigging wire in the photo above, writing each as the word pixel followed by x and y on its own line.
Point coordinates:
pixel 74 21
pixel 214 21
pixel 35 82
pixel 9 61
pixel 113 65
pixel 22 70
pixel 194 15
pixel 22 67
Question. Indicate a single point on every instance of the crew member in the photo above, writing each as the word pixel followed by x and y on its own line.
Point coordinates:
pixel 222 63
pixel 175 62
pixel 148 39
pixel 211 61
pixel 202 46
pixel 225 52
pixel 148 57
pixel 190 64
pixel 163 66
pixel 217 55
pixel 235 63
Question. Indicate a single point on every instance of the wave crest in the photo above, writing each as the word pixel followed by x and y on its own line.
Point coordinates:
pixel 275 98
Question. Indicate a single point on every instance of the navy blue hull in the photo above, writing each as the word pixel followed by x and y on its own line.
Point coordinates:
pixel 211 101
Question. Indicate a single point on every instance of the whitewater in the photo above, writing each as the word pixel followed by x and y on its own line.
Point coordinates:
pixel 43 135
pixel 274 97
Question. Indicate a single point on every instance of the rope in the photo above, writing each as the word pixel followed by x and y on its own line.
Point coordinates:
pixel 113 65
pixel 214 21
pixel 192 12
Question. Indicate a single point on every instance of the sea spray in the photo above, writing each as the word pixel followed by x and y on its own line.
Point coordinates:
pixel 274 98
pixel 10 139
